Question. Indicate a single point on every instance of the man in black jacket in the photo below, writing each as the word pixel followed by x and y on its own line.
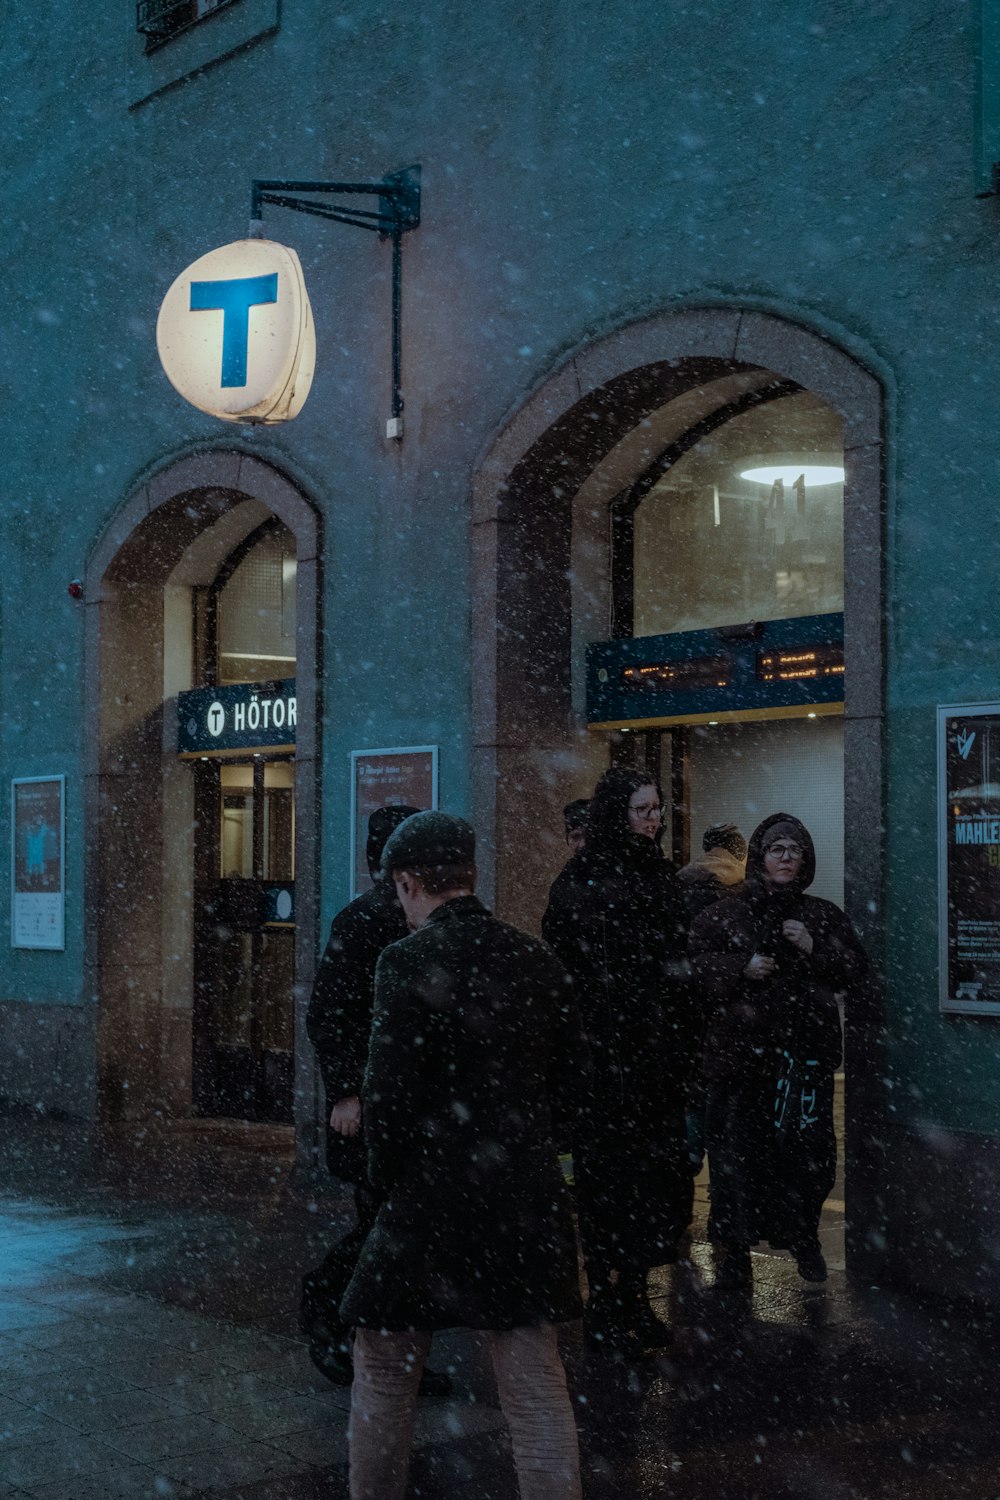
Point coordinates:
pixel 475 1046
pixel 339 1022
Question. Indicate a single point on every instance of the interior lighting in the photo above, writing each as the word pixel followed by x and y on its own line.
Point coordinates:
pixel 810 716
pixel 810 474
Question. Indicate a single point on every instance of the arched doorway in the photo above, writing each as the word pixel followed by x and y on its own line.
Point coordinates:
pixel 552 516
pixel 206 583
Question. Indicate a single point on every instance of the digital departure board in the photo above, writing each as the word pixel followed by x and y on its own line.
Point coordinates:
pixel 679 676
pixel 801 664
pixel 759 669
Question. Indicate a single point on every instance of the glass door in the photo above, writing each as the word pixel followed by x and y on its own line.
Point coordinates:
pixel 245 940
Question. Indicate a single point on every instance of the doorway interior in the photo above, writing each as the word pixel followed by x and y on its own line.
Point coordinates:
pixel 204 865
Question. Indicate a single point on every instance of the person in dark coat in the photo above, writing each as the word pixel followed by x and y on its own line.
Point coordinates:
pixel 769 963
pixel 718 871
pixel 475 1040
pixel 339 1021
pixel 575 824
pixel 614 919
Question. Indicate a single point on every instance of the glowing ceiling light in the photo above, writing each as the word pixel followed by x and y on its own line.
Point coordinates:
pixel 811 474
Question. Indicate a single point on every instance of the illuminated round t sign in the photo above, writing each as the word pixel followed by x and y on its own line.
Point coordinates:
pixel 235 333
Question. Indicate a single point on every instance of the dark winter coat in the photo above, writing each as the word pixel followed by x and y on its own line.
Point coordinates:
pixel 772 1047
pixel 709 877
pixel 475 1042
pixel 339 1019
pixel 614 919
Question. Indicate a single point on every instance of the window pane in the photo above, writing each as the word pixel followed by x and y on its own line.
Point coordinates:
pixel 257 614
pixel 715 548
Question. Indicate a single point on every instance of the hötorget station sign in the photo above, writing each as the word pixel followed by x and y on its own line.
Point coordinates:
pixel 219 721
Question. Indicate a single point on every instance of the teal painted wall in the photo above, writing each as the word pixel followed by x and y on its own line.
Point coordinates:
pixel 584 165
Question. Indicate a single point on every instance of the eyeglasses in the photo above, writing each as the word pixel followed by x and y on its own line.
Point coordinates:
pixel 646 810
pixel 785 851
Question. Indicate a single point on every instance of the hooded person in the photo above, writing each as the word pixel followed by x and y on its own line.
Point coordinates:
pixel 717 871
pixel 339 1023
pixel 769 963
pixel 614 919
pixel 475 1047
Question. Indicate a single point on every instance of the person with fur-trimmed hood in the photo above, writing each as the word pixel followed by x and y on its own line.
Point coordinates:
pixel 770 962
pixel 717 871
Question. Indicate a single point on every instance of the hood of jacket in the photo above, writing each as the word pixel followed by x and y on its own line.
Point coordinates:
pixel 765 834
pixel 714 864
pixel 608 831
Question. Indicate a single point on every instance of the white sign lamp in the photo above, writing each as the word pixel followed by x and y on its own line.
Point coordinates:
pixel 235 332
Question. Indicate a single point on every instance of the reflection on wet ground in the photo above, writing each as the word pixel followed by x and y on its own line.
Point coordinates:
pixel 148 1349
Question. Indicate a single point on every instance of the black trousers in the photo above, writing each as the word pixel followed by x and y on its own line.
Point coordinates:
pixel 323 1288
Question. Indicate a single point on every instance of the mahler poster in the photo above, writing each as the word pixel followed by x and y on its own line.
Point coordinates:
pixel 969 857
pixel 37 840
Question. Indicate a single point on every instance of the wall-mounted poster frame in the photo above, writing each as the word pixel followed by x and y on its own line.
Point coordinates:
pixel 400 777
pixel 38 862
pixel 968 770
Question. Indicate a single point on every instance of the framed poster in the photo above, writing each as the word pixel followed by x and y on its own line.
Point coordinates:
pixel 969 857
pixel 38 847
pixel 406 777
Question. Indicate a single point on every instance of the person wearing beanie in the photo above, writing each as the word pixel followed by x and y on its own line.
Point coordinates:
pixel 717 871
pixel 614 919
pixel 473 1022
pixel 770 961
pixel 338 1023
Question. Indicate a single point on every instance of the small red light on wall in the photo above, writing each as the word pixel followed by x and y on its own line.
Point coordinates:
pixel 75 589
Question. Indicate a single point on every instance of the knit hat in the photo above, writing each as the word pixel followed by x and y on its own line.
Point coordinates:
pixel 429 838
pixel 725 836
pixel 381 824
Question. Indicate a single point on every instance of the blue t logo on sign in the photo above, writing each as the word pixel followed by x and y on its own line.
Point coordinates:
pixel 234 298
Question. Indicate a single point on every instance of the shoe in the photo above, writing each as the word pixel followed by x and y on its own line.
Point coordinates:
pixel 810 1262
pixel 434 1383
pixel 331 1354
pixel 650 1332
pixel 607 1329
pixel 736 1271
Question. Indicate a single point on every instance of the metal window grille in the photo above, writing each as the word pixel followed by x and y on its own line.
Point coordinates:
pixel 158 20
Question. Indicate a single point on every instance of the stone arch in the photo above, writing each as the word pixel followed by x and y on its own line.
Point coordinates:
pixel 522 502
pixel 177 524
pixel 524 724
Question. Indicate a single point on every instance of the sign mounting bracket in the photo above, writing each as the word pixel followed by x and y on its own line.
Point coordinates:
pixel 397 212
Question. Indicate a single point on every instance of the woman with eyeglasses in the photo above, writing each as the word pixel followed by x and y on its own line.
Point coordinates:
pixel 615 919
pixel 769 963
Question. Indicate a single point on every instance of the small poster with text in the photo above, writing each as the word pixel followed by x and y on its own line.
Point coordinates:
pixel 37 816
pixel 406 777
pixel 969 857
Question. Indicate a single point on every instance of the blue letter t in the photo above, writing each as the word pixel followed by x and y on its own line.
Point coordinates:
pixel 235 299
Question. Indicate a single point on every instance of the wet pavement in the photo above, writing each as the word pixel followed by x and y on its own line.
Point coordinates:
pixel 148 1348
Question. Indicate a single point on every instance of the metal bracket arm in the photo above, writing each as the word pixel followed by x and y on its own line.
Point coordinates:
pixel 398 211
